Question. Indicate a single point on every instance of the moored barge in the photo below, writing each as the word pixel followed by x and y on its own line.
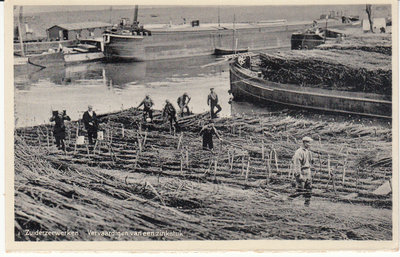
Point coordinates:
pixel 247 85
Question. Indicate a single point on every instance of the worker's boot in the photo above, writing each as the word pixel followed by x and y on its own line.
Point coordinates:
pixel 307 202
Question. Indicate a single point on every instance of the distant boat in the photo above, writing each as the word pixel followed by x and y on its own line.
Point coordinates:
pixel 86 50
pixel 227 51
pixel 311 39
pixel 220 50
pixel 130 42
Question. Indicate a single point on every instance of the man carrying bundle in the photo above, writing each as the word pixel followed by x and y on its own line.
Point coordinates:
pixel 302 161
pixel 59 128
pixel 169 112
pixel 212 101
pixel 207 131
pixel 183 102
pixel 91 124
pixel 147 105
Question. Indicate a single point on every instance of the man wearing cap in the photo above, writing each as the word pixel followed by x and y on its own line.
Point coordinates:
pixel 183 102
pixel 91 124
pixel 302 161
pixel 207 133
pixel 147 105
pixel 212 101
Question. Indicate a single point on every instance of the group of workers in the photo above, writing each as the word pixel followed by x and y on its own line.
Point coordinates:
pixel 302 158
pixel 90 122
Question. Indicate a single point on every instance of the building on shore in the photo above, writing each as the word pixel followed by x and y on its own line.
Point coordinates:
pixel 73 31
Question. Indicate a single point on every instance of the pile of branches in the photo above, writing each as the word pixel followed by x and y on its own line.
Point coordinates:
pixel 155 181
pixel 348 70
pixel 381 49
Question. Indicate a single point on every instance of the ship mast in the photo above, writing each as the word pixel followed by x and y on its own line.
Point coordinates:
pixel 219 21
pixel 20 32
pixel 233 34
pixel 135 16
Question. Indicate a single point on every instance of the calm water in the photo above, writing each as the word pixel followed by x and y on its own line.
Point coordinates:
pixel 114 86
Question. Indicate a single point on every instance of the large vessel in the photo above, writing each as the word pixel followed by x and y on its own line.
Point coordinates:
pixel 246 84
pixel 160 41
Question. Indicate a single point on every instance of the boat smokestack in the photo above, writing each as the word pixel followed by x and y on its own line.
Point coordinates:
pixel 135 16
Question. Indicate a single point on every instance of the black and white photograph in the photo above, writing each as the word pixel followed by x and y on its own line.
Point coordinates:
pixel 203 123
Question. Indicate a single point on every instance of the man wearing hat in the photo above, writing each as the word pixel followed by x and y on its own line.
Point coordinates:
pixel 212 101
pixel 183 102
pixel 91 124
pixel 302 161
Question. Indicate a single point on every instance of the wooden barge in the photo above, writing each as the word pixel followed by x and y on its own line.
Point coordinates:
pixel 247 85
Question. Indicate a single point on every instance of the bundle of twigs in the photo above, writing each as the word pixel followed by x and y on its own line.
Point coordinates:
pixel 349 70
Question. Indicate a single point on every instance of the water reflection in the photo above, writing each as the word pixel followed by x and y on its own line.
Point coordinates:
pixel 112 86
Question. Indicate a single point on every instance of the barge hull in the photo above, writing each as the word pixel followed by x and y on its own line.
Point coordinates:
pixel 253 89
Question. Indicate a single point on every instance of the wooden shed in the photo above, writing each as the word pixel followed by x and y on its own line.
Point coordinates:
pixel 72 31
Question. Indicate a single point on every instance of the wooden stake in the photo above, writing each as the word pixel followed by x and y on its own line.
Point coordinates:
pixel 276 161
pixel 215 168
pixel 181 163
pixel 233 156
pixel 145 139
pixel 262 149
pixel 123 131
pixel 179 141
pixel 187 159
pixel 47 137
pixel 269 164
pixel 248 169
pixel 242 165
pixel 344 167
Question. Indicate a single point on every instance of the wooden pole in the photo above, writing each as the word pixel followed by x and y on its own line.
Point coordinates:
pixel 248 169
pixel 20 32
pixel 262 149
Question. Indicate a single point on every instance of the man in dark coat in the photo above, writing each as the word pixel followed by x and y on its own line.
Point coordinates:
pixel 207 132
pixel 147 105
pixel 59 128
pixel 170 113
pixel 91 124
pixel 212 101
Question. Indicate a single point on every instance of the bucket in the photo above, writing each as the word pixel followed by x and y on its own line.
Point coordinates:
pixel 80 140
pixel 100 135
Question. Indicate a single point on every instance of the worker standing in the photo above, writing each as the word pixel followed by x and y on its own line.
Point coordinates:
pixel 207 132
pixel 59 128
pixel 147 107
pixel 169 112
pixel 302 162
pixel 212 101
pixel 91 124
pixel 183 102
